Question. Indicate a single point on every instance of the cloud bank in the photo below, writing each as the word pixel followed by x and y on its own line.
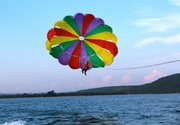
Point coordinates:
pixel 154 75
pixel 175 2
pixel 164 40
pixel 125 79
pixel 160 24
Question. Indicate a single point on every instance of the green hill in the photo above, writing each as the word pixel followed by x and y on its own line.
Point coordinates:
pixel 168 84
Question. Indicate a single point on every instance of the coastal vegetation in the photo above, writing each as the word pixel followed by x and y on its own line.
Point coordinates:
pixel 168 84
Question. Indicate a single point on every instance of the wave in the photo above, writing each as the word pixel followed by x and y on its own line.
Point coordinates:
pixel 20 122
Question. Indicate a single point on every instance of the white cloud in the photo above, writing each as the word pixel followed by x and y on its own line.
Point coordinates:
pixel 125 79
pixel 154 75
pixel 95 82
pixel 165 40
pixel 175 2
pixel 91 83
pixel 106 78
pixel 160 24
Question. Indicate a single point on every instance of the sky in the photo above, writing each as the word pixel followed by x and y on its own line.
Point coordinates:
pixel 148 33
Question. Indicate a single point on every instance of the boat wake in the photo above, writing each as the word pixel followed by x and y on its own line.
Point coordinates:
pixel 15 123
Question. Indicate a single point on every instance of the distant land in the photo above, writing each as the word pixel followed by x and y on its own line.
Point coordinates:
pixel 168 84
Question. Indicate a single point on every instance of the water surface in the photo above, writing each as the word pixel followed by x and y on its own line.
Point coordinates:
pixel 150 109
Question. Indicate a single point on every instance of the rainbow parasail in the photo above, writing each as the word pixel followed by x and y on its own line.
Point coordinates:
pixel 80 38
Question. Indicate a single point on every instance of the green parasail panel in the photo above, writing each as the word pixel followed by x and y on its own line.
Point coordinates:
pixel 70 20
pixel 57 50
pixel 95 60
pixel 99 29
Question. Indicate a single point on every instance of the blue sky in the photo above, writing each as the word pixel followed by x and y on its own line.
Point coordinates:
pixel 148 33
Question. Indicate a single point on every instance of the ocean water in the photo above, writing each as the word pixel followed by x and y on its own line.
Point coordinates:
pixel 150 109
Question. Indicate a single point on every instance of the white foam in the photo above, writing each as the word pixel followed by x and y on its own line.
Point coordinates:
pixel 14 123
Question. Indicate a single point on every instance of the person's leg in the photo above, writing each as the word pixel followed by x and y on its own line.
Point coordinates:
pixel 85 71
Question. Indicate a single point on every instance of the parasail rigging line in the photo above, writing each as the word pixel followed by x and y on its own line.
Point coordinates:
pixel 141 67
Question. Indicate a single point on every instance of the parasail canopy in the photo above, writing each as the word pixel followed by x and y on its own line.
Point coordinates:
pixel 81 38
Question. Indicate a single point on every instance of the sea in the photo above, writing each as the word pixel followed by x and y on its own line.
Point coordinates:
pixel 143 109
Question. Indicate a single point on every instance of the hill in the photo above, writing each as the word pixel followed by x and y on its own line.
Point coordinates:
pixel 168 84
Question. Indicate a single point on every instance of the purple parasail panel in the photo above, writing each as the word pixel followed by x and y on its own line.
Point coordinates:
pixel 66 55
pixel 84 57
pixel 79 21
pixel 95 22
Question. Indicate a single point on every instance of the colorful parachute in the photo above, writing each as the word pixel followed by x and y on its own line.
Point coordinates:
pixel 80 38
